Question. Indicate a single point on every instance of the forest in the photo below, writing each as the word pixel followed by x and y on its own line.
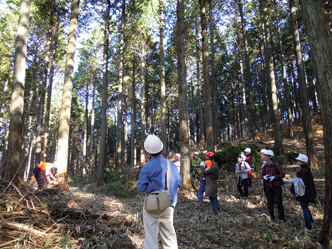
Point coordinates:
pixel 84 82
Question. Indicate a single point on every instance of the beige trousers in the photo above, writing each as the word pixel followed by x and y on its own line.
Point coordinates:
pixel 161 224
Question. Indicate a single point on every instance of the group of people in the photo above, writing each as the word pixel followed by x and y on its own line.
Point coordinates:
pixel 153 177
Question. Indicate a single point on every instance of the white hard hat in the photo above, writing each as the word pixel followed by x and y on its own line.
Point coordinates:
pixel 247 150
pixel 243 157
pixel 178 155
pixel 262 151
pixel 269 153
pixel 302 158
pixel 153 144
pixel 196 153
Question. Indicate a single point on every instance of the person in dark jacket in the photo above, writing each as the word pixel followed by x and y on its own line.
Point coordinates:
pixel 211 189
pixel 310 190
pixel 272 175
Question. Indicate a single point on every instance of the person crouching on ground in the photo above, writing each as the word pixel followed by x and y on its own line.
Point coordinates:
pixel 152 178
pixel 206 164
pixel 46 168
pixel 310 190
pixel 242 168
pixel 211 189
pixel 272 174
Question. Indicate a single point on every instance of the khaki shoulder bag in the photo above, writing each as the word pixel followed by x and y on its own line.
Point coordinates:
pixel 158 201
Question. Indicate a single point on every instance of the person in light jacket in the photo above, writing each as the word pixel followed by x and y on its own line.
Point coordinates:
pixel 242 168
pixel 310 190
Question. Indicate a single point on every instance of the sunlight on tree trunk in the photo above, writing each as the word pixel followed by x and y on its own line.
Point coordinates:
pixel 63 142
pixel 10 171
pixel 319 37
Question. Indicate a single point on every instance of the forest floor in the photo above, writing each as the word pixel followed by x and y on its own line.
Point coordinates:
pixel 87 216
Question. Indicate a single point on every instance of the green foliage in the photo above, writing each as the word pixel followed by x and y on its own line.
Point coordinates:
pixel 229 156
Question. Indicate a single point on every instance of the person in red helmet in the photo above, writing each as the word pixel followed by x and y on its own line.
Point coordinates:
pixel 206 164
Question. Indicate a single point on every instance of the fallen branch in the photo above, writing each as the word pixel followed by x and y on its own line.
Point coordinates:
pixel 9 242
pixel 17 226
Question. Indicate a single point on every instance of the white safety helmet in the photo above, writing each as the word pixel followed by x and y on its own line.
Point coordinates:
pixel 262 151
pixel 243 157
pixel 248 150
pixel 269 153
pixel 196 153
pixel 153 144
pixel 302 158
pixel 178 155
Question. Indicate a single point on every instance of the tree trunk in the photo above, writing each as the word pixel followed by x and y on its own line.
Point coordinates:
pixel 199 86
pixel 248 75
pixel 162 79
pixel 306 117
pixel 92 124
pixel 17 99
pixel 62 156
pixel 183 96
pixel 2 107
pixel 272 82
pixel 103 129
pixel 319 37
pixel 85 139
pixel 206 72
pixel 119 134
pixel 133 114
pixel 284 79
pixel 215 120
pixel 143 108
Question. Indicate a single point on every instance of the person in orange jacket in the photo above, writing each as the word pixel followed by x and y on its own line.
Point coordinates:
pixel 47 168
pixel 206 164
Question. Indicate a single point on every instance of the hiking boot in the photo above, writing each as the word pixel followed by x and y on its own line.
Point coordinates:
pixel 199 205
pixel 308 230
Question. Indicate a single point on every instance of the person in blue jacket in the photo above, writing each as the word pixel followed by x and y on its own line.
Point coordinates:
pixel 153 177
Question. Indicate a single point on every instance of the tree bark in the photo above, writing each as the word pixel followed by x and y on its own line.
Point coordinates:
pixel 162 79
pixel 319 37
pixel 10 171
pixel 143 107
pixel 272 82
pixel 206 72
pixel 183 97
pixel 199 86
pixel 133 114
pixel 62 156
pixel 119 133
pixel 306 117
pixel 103 129
pixel 92 124
pixel 215 120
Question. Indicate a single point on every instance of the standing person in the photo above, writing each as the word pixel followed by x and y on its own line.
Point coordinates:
pixel 242 168
pixel 211 175
pixel 44 168
pixel 310 190
pixel 247 152
pixel 177 161
pixel 263 165
pixel 195 165
pixel 272 175
pixel 153 177
pixel 206 164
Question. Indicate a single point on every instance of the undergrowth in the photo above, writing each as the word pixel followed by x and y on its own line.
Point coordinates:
pixel 118 184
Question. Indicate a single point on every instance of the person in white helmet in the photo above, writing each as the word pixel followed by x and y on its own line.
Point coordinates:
pixel 153 177
pixel 272 175
pixel 242 168
pixel 310 190
pixel 177 161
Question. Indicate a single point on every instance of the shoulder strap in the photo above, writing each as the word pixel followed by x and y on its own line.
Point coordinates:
pixel 168 174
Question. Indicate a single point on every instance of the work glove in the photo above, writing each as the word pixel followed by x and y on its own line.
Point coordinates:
pixel 266 177
pixel 272 178
pixel 203 164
